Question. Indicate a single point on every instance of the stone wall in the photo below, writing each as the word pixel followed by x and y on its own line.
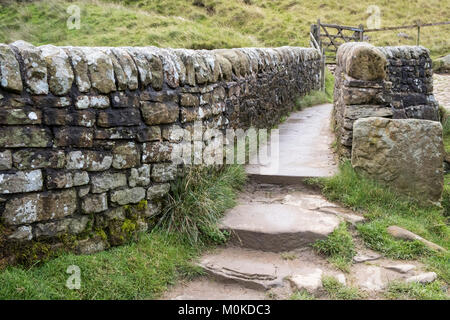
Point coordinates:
pixel 86 133
pixel 391 82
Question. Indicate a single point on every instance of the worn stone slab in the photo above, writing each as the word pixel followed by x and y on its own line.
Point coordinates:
pixel 277 227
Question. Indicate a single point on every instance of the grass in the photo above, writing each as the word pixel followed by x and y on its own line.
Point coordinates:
pixel 337 291
pixel 142 269
pixel 215 23
pixel 338 246
pixel 302 295
pixel 417 291
pixel 198 200
pixel 384 207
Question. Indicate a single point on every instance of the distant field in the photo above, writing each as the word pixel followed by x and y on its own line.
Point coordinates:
pixel 214 23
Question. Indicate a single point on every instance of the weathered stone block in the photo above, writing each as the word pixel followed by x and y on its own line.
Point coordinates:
pixel 22 233
pixel 88 160
pixel 156 152
pixel 34 66
pixel 117 133
pixel 362 61
pixel 156 113
pixel 80 67
pixel 21 181
pixel 140 176
pixel 101 70
pixel 40 207
pixel 99 102
pixel 17 137
pixel 62 117
pixel 120 117
pixel 36 159
pixel 74 136
pixel 59 179
pixel 126 196
pixel 80 178
pixel 406 154
pixel 60 72
pixel 125 155
pixel 5 160
pixel 20 116
pixel 10 78
pixel 158 191
pixel 94 203
pixel 189 100
pixel 124 100
pixel 164 172
pixel 107 181
pixel 149 133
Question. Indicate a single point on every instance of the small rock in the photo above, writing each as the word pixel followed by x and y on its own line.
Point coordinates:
pixel 403 234
pixel 22 233
pixel 427 277
pixel 402 268
pixel 309 281
pixel 366 257
pixel 341 278
pixel 373 281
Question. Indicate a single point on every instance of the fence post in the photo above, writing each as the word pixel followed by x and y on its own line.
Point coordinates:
pixel 418 34
pixel 361 33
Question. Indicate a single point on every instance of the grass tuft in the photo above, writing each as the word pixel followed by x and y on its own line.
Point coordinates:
pixel 302 295
pixel 403 291
pixel 338 246
pixel 198 200
pixel 338 291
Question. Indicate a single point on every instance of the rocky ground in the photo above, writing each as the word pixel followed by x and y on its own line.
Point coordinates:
pixel 246 270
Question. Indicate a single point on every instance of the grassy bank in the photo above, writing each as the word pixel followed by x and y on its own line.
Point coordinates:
pixel 383 207
pixel 215 23
pixel 142 269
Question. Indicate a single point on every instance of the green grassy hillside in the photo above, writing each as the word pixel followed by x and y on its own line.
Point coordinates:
pixel 213 23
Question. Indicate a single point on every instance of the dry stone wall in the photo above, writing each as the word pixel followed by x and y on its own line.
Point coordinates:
pixel 391 82
pixel 86 133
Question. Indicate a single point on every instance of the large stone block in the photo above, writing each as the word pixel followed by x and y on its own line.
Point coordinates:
pixel 94 203
pixel 10 78
pixel 11 116
pixel 36 159
pixel 125 155
pixel 21 181
pixel 17 137
pixel 119 117
pixel 362 61
pixel 59 69
pixel 88 160
pixel 101 70
pixel 35 67
pixel 5 160
pixel 40 207
pixel 406 154
pixel 126 196
pixel 157 113
pixel 74 136
pixel 106 181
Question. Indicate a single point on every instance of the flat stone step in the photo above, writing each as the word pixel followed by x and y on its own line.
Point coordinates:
pixel 277 227
pixel 256 270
